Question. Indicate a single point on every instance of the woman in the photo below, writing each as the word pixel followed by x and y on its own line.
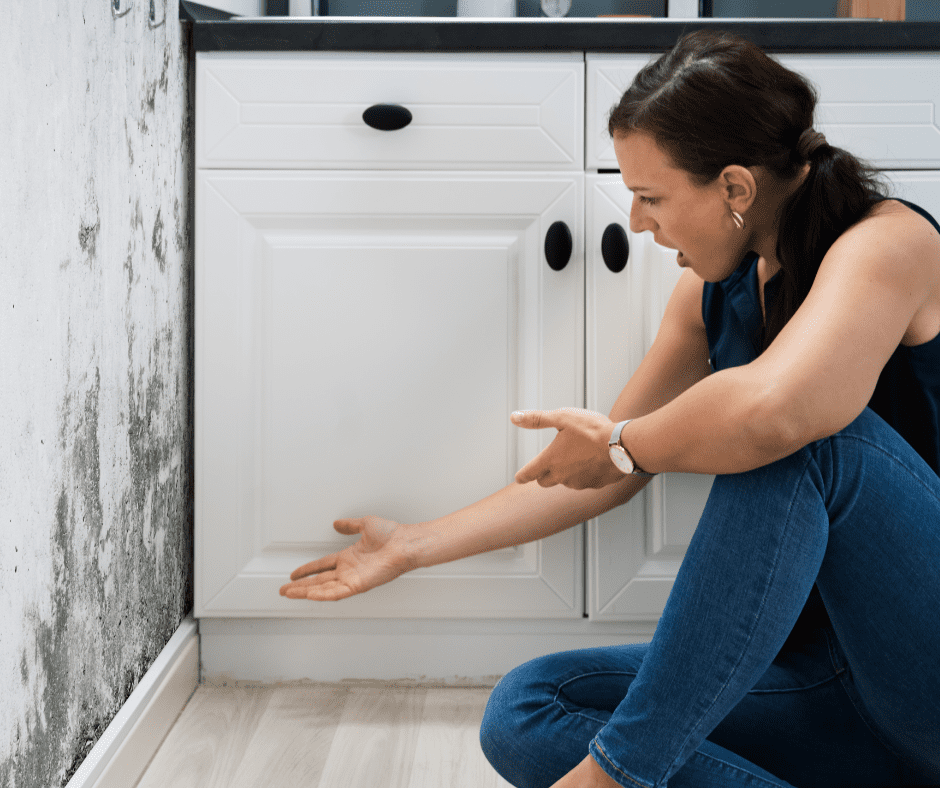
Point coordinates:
pixel 799 360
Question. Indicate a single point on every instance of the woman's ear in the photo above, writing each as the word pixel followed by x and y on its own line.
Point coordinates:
pixel 738 187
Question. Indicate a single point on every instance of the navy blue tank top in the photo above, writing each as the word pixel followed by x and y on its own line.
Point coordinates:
pixel 907 395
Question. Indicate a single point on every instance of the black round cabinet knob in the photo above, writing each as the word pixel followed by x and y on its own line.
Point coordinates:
pixel 615 248
pixel 558 246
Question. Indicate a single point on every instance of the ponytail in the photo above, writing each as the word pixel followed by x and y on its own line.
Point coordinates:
pixel 838 192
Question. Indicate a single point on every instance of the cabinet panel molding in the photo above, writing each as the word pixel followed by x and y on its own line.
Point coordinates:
pixel 634 551
pixel 361 341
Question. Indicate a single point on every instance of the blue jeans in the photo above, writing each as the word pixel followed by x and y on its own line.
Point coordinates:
pixel 800 645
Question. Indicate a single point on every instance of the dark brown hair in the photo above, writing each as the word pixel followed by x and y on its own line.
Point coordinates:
pixel 716 99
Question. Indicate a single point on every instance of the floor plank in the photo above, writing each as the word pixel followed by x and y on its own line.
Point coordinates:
pixel 375 741
pixel 448 750
pixel 293 737
pixel 205 746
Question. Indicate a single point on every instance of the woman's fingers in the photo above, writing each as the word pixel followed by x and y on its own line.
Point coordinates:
pixel 329 592
pixel 325 588
pixel 314 567
pixel 348 526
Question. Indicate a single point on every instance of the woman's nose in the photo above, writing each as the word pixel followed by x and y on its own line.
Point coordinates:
pixel 640 221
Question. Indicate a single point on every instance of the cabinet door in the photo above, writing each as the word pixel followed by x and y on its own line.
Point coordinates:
pixel 634 551
pixel 361 341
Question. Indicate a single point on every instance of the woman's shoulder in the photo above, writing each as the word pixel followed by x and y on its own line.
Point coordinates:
pixel 908 245
pixel 899 215
pixel 895 226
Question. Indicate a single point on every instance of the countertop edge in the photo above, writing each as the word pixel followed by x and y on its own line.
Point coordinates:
pixel 397 34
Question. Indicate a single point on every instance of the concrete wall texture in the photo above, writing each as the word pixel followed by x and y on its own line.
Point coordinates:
pixel 96 467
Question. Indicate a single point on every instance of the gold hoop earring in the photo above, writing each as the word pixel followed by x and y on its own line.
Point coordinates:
pixel 738 220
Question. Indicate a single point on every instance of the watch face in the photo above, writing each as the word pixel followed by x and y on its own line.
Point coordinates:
pixel 621 459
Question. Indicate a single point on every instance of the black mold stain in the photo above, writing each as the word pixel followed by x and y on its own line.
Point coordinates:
pixel 179 240
pixel 35 763
pixel 88 236
pixel 127 139
pixel 149 103
pixel 129 267
pixel 164 73
pixel 88 230
pixel 140 598
pixel 109 622
pixel 86 458
pixel 137 222
pixel 157 242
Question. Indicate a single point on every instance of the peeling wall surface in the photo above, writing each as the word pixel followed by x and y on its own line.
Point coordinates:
pixel 96 467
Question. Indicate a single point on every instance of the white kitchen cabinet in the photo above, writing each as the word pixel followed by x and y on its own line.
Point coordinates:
pixel 363 333
pixel 370 306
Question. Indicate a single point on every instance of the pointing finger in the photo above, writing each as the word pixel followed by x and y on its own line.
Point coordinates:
pixel 532 419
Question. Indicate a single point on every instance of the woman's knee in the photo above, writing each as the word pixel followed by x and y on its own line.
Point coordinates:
pixel 504 708
pixel 531 706
pixel 520 721
pixel 501 731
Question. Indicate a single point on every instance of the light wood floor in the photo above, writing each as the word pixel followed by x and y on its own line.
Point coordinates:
pixel 347 735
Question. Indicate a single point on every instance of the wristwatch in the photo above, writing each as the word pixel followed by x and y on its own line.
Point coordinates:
pixel 620 455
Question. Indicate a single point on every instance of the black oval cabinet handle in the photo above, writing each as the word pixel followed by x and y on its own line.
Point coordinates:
pixel 615 247
pixel 558 246
pixel 387 117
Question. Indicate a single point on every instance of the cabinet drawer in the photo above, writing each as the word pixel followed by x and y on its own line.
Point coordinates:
pixel 882 108
pixel 305 111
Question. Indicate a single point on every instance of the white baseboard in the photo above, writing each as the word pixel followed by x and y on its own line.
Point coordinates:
pixel 121 755
pixel 459 652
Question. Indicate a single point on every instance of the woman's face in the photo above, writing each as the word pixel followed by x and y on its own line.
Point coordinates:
pixel 694 220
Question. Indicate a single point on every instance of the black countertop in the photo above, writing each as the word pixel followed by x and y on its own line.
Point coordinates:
pixel 216 31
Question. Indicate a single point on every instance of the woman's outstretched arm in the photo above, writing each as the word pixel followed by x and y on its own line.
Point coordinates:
pixel 518 513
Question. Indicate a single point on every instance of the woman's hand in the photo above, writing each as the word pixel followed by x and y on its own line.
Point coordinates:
pixel 579 457
pixel 587 774
pixel 373 560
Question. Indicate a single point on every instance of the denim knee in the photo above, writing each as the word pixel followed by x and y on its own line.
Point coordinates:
pixel 496 730
pixel 497 725
pixel 503 737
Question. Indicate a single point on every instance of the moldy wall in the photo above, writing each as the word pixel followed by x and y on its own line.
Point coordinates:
pixel 96 473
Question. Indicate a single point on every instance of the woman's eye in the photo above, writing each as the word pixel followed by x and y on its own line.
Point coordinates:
pixel 648 200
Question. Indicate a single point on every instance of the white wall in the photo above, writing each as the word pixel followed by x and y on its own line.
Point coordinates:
pixel 96 348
